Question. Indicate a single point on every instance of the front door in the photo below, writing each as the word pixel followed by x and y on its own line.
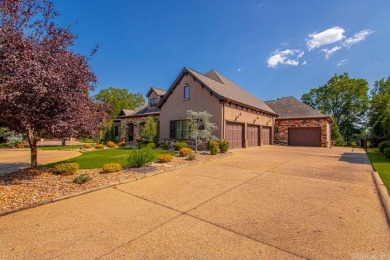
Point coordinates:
pixel 130 134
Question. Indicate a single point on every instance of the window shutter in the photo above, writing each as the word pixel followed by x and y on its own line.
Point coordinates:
pixel 172 130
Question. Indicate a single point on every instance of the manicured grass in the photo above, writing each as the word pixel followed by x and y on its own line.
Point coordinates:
pixel 382 165
pixel 97 158
pixel 60 147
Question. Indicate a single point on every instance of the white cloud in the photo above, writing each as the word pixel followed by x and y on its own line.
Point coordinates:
pixel 287 57
pixel 341 62
pixel 328 36
pixel 358 37
pixel 329 52
pixel 239 69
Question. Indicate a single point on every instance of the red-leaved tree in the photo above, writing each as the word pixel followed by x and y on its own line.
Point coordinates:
pixel 44 85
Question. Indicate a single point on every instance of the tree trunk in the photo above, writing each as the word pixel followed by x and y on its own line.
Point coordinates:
pixel 63 142
pixel 32 141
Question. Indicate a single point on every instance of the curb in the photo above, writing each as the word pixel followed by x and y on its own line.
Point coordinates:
pixel 383 195
pixel 110 185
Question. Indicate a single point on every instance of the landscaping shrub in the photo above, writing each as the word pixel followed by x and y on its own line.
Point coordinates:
pixel 383 145
pixel 19 145
pixel 111 144
pixel 185 151
pixel 87 146
pixel 112 167
pixel 163 158
pixel 223 146
pixel 66 168
pixel 122 144
pixel 99 146
pixel 386 152
pixel 82 178
pixel 214 147
pixel 141 157
pixel 208 144
pixel 164 145
pixel 179 145
pixel 191 157
pixel 151 145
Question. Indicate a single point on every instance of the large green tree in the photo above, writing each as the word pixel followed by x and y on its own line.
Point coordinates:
pixel 379 115
pixel 118 99
pixel 343 98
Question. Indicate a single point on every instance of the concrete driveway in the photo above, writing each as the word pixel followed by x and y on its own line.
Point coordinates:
pixel 13 160
pixel 268 202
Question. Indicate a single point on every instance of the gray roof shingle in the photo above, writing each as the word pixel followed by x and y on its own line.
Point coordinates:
pixel 140 111
pixel 292 108
pixel 226 89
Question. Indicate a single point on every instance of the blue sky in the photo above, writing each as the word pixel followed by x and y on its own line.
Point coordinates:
pixel 270 48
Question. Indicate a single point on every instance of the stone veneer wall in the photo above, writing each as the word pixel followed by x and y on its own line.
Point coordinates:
pixel 281 137
pixel 136 121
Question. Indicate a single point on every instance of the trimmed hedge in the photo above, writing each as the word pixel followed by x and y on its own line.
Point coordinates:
pixel 112 167
pixel 164 158
pixel 185 151
pixel 223 146
pixel 111 144
pixel 214 146
pixel 99 146
pixel 180 145
pixel 66 168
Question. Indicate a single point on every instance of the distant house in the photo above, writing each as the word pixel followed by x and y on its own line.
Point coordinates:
pixel 300 125
pixel 241 118
pixel 128 124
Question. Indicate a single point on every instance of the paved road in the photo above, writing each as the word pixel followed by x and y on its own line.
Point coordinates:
pixel 13 160
pixel 268 202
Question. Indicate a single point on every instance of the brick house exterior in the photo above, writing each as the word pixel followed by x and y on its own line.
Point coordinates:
pixel 129 123
pixel 306 126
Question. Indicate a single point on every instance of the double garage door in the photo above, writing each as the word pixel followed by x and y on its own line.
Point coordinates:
pixel 235 135
pixel 305 136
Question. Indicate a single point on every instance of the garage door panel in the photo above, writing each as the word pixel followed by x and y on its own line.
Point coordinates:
pixel 234 134
pixel 252 135
pixel 304 136
pixel 266 134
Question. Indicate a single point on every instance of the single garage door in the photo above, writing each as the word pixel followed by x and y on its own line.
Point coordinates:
pixel 304 136
pixel 266 135
pixel 234 133
pixel 252 135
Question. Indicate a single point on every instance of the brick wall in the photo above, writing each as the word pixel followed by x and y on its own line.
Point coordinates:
pixel 282 125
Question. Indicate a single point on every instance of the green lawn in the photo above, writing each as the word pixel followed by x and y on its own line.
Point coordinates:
pixel 381 165
pixel 60 147
pixel 97 158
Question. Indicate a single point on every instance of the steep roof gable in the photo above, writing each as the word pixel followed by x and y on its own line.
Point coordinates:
pixel 292 108
pixel 158 91
pixel 223 89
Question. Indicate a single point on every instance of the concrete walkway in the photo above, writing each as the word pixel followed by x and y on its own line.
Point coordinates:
pixel 268 202
pixel 12 160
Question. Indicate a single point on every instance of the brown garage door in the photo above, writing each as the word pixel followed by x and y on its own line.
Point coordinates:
pixel 305 136
pixel 234 133
pixel 266 135
pixel 252 135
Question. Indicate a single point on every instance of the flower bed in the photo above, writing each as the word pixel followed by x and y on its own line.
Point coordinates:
pixel 28 187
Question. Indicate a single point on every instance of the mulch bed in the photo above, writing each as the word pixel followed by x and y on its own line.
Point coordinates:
pixel 31 186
